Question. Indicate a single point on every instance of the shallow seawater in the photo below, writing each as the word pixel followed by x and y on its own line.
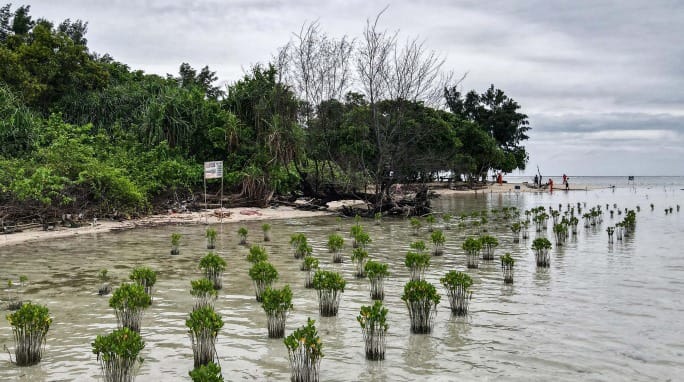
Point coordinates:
pixel 600 312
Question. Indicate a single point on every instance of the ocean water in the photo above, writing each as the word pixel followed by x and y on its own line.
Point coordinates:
pixel 600 312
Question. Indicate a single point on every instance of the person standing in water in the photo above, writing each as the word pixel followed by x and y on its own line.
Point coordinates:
pixel 567 184
pixel 565 178
pixel 550 184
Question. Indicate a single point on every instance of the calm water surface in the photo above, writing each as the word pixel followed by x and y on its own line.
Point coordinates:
pixel 600 312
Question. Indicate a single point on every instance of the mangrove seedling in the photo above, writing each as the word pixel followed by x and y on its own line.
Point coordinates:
pixel 242 235
pixel 560 232
pixel 415 225
pixel 30 325
pixel 310 265
pixel 13 300
pixel 359 257
pixel 417 263
pixel 361 239
pixel 378 218
pixel 515 228
pixel 438 240
pixel 266 229
pixel 456 285
pixel 338 223
pixel 472 247
pixel 507 263
pixel 418 246
pixel 118 353
pixel 610 231
pixel 446 218
pixel 175 243
pixel 211 238
pixel 263 274
pixel 335 245
pixel 145 277
pixel 541 246
pixel 330 286
pixel 129 302
pixel 304 351
pixel 430 220
pixel 303 250
pixel 105 288
pixel 210 372
pixel 204 325
pixel 421 299
pixel 373 321
pixel 376 273
pixel 203 292
pixel 277 303
pixel 257 253
pixel 213 266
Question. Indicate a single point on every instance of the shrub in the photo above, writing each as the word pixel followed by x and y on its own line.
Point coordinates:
pixel 129 302
pixel 421 299
pixel 263 274
pixel 304 350
pixel 335 245
pixel 359 258
pixel 204 293
pixel 30 324
pixel 457 284
pixel 276 303
pixel 330 286
pixel 376 273
pixel 118 354
pixel 213 266
pixel 257 253
pixel 145 277
pixel 417 264
pixel 438 240
pixel 204 325
pixel 310 265
pixel 373 321
pixel 211 238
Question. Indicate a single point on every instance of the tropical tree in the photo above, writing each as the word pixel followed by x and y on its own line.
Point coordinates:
pixel 144 276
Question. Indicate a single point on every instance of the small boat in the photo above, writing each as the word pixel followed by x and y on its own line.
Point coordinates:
pixel 536 186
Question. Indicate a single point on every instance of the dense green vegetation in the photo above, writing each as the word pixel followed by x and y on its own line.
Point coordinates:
pixel 83 133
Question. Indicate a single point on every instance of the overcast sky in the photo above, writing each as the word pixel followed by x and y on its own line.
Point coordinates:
pixel 601 81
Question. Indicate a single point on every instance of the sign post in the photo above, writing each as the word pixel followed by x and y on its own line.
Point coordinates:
pixel 213 170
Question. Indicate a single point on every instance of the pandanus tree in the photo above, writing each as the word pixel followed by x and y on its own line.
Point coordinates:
pixel 266 229
pixel 507 263
pixel 118 353
pixel 457 285
pixel 335 245
pixel 376 273
pixel 203 327
pixel 330 286
pixel 277 303
pixel 421 299
pixel 373 321
pixel 541 246
pixel 359 258
pixel 144 276
pixel 30 324
pixel 203 292
pixel 256 254
pixel 242 235
pixel 213 266
pixel 438 240
pixel 472 247
pixel 310 265
pixel 105 288
pixel 515 228
pixel 417 263
pixel 175 243
pixel 489 243
pixel 210 372
pixel 129 302
pixel 211 235
pixel 304 351
pixel 263 275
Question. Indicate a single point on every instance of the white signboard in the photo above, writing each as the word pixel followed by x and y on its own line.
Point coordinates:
pixel 213 170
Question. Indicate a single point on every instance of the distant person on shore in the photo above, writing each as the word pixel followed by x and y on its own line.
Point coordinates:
pixel 536 180
pixel 499 178
pixel 550 184
pixel 567 184
pixel 565 178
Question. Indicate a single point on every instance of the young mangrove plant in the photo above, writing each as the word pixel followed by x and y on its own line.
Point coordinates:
pixel 30 324
pixel 415 225
pixel 210 372
pixel 373 321
pixel 129 302
pixel 338 223
pixel 438 240
pixel 277 303
pixel 310 265
pixel 299 244
pixel 242 235
pixel 446 218
pixel 145 277
pixel 378 218
pixel 417 263
pixel 418 246
pixel 361 239
pixel 507 263
pixel 211 238
pixel 263 275
pixel 573 222
pixel 359 257
pixel 118 353
pixel 335 245
pixel 560 232
pixel 304 351
pixel 203 292
pixel 175 243
pixel 204 325
pixel 541 246
pixel 266 229
pixel 430 220
pixel 330 286
pixel 489 243
pixel 105 288
pixel 472 247
pixel 213 266
pixel 525 226
pixel 456 285
pixel 515 228
pixel 610 231
pixel 376 273
pixel 13 300
pixel 421 299
pixel 256 254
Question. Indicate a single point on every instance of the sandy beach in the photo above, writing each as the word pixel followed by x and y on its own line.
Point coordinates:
pixel 231 215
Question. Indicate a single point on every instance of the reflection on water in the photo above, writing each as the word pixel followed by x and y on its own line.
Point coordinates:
pixel 600 312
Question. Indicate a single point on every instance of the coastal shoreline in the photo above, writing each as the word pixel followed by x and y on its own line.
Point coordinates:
pixel 233 215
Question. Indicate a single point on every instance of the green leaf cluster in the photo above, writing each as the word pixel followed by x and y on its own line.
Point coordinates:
pixel 212 261
pixel 130 296
pixel 417 259
pixel 202 288
pixel 335 242
pixel 257 253
pixel 204 318
pixel 144 276
pixel 307 337
pixel 277 300
pixel 472 244
pixel 328 280
pixel 455 279
pixel 370 316
pixel 541 243
pixel 210 372
pixel 420 290
pixel 263 271
pixel 31 318
pixel 122 343
pixel 375 269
